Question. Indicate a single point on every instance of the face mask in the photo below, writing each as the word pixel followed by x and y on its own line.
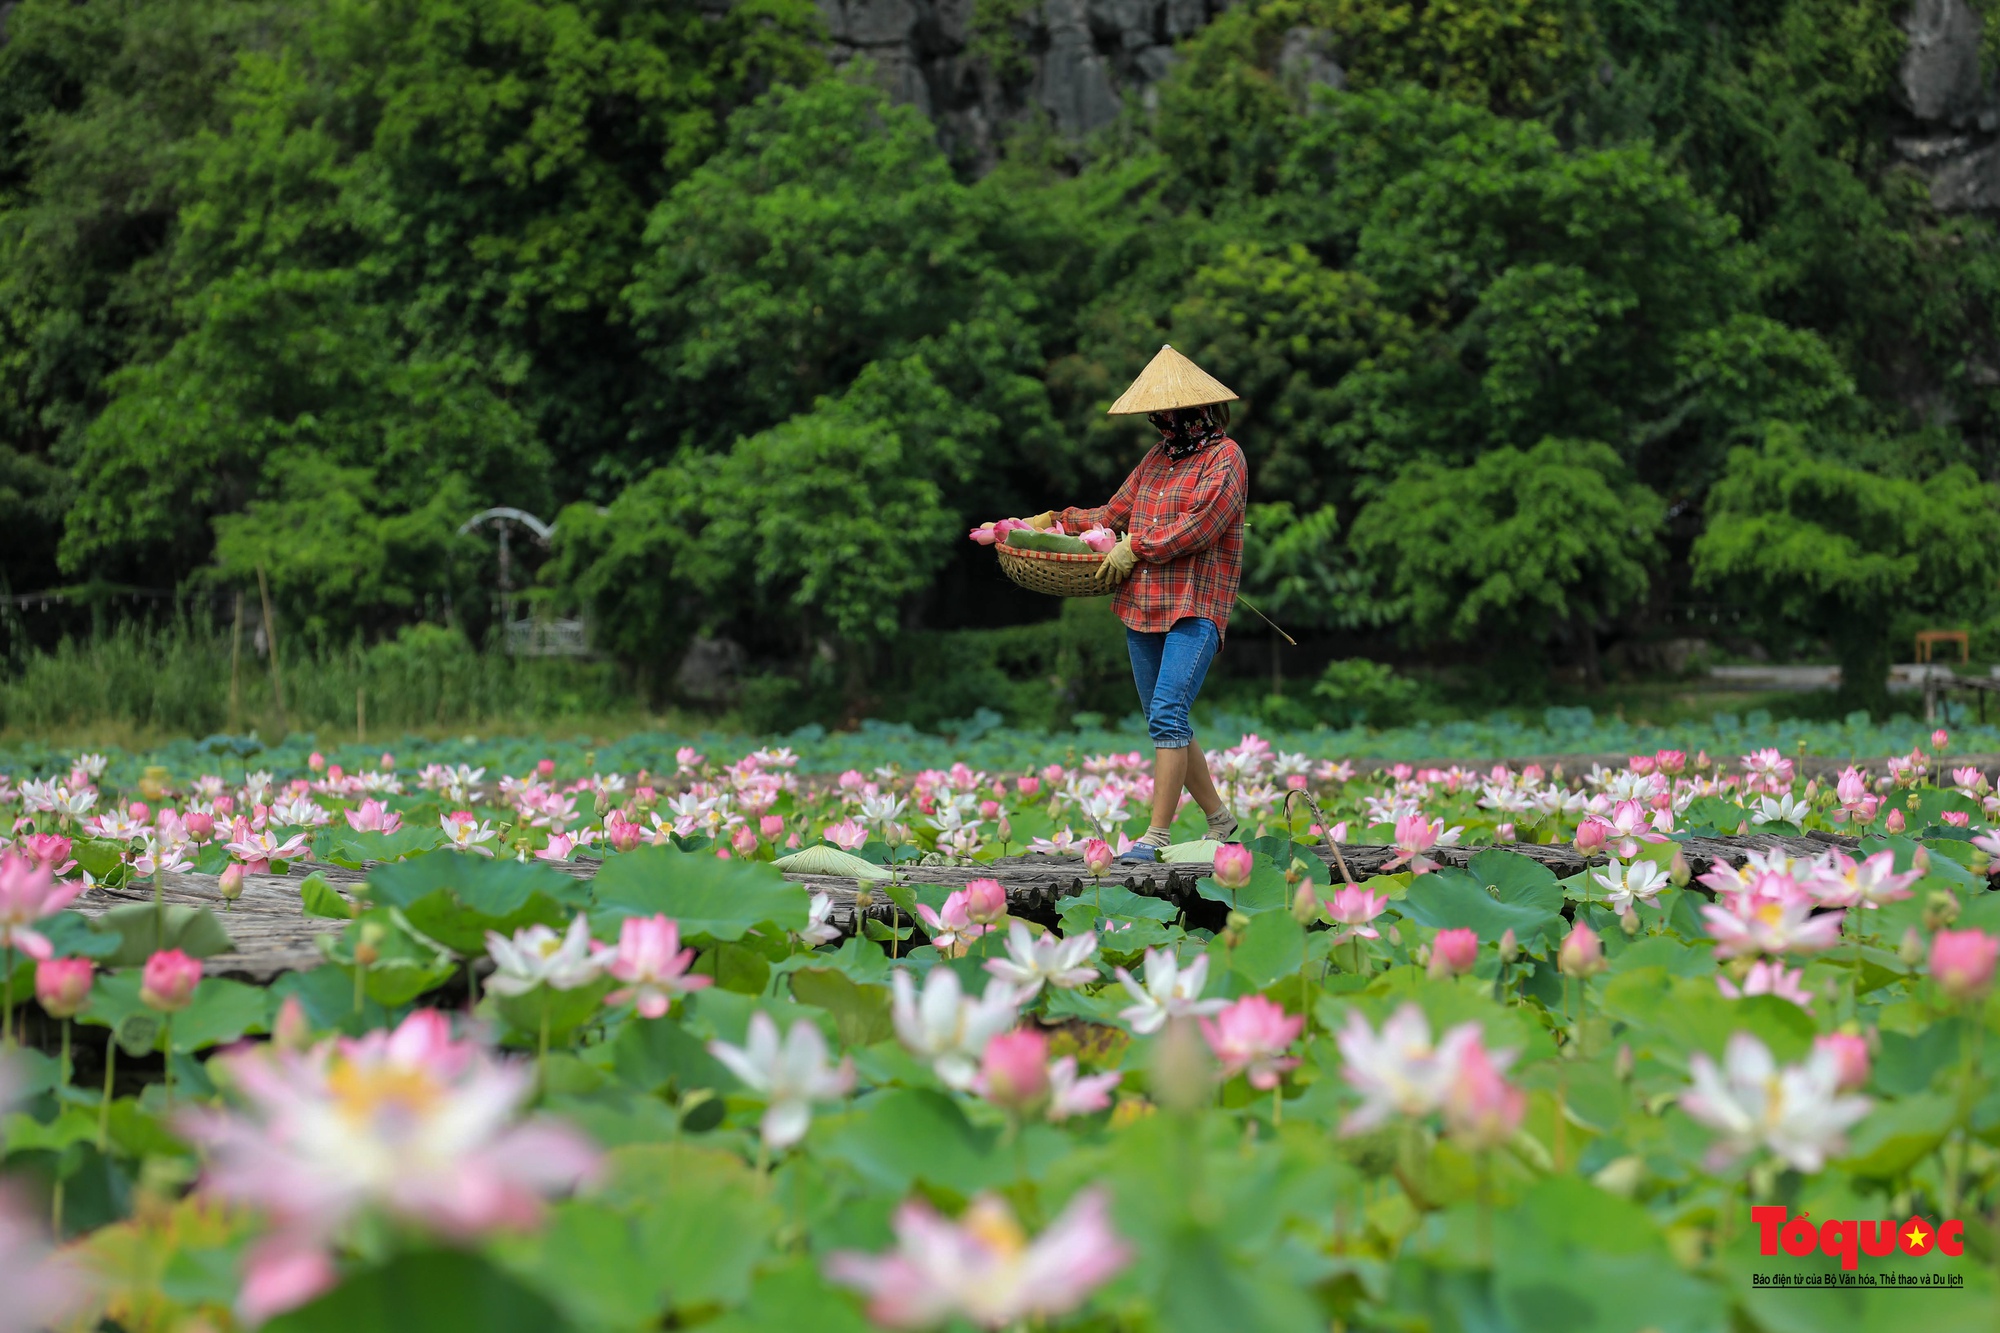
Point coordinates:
pixel 1184 430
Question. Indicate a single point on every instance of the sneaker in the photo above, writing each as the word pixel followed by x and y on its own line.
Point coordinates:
pixel 1140 851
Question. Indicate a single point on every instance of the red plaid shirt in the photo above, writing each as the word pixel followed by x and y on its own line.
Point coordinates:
pixel 1186 521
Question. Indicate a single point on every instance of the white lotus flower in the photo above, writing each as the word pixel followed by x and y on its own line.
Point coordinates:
pixel 1060 962
pixel 947 1027
pixel 537 956
pixel 790 1076
pixel 1171 991
pixel 1751 1101
pixel 1401 1072
pixel 1623 884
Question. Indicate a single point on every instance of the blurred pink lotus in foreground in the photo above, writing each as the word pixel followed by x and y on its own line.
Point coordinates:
pixel 410 1123
pixel 1481 1108
pixel 983 1268
pixel 29 892
pixel 1251 1037
pixel 1769 978
pixel 652 965
pixel 946 1026
pixel 168 981
pixel 1400 1071
pixel 1962 962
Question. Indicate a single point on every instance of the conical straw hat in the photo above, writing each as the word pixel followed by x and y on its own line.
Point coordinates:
pixel 1170 380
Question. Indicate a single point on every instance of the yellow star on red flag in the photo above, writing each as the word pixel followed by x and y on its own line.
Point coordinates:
pixel 1916 1235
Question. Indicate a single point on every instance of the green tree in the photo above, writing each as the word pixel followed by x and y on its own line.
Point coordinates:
pixel 1839 552
pixel 1539 545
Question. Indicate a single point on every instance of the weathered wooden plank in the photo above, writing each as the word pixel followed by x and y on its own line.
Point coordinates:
pixel 273 935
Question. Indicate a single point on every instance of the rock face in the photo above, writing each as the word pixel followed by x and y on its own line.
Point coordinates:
pixel 1073 62
pixel 1954 110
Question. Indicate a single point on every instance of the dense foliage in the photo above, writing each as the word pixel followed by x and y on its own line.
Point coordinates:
pixel 297 289
pixel 1464 1092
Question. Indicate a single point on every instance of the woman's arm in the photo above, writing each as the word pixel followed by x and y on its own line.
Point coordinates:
pixel 1216 504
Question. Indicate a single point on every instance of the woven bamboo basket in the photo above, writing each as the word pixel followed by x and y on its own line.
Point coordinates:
pixel 1057 573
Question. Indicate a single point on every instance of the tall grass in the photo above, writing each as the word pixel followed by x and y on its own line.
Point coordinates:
pixel 136 681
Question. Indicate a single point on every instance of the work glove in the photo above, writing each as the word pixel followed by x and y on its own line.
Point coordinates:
pixel 1118 562
pixel 1043 521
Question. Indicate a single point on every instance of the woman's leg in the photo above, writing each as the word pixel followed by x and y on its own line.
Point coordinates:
pixel 1184 658
pixel 1200 784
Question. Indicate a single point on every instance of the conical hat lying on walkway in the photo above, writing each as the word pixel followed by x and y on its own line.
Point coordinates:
pixel 1170 380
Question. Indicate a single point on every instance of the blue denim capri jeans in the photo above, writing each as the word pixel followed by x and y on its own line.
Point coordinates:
pixel 1169 668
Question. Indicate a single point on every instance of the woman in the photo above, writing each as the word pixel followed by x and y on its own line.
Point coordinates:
pixel 1176 570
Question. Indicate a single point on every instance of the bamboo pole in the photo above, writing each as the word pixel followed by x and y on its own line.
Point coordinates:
pixel 236 667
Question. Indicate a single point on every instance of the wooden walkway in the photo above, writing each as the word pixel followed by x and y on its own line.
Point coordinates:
pixel 272 934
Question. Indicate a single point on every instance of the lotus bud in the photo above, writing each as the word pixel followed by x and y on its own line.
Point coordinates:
pixel 985 902
pixel 1628 921
pixel 62 985
pixel 1028 786
pixel 624 835
pixel 1453 953
pixel 771 826
pixel 1895 823
pixel 1506 833
pixel 1911 950
pixel 1015 1071
pixel 1005 829
pixel 1920 860
pixel 168 981
pixel 1305 903
pixel 1622 1063
pixel 200 825
pixel 1233 864
pixel 1590 835
pixel 1510 948
pixel 1678 872
pixel 545 769
pixel 293 1030
pixel 1096 856
pixel 744 839
pixel 1940 910
pixel 1962 962
pixel 140 811
pixel 1940 739
pixel 1582 952
pixel 316 762
pixel 1395 937
pixel 1812 790
pixel 230 883
pixel 1850 1053
pixel 388 762
pixel 989 809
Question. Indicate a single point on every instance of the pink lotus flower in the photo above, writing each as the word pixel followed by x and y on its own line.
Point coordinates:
pixel 1940 740
pixel 1416 835
pixel 984 534
pixel 45 1287
pixel 1839 880
pixel 62 985
pixel 168 982
pixel 561 846
pixel 1591 835
pixel 622 834
pixel 373 817
pixel 199 826
pixel 848 835
pixel 1454 952
pixel 984 1269
pixel 1070 1095
pixel 985 902
pixel 1354 907
pixel 1748 924
pixel 1481 1108
pixel 1098 539
pixel 770 826
pixel 1769 978
pixel 1962 962
pixel 51 851
pixel 1251 1037
pixel 1032 961
pixel 652 965
pixel 467 832
pixel 1672 762
pixel 1096 856
pixel 29 892
pixel 744 840
pixel 1769 771
pixel 1850 1055
pixel 1234 864
pixel 406 1123
pixel 953 930
pixel 1895 823
pixel 1582 952
pixel 258 849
